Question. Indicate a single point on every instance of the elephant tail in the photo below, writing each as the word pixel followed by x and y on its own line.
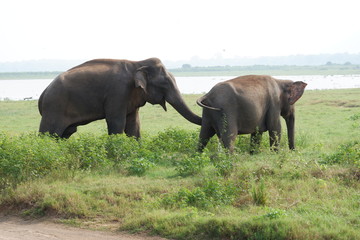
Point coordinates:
pixel 201 104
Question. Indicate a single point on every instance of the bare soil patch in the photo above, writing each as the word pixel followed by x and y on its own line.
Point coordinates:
pixel 17 228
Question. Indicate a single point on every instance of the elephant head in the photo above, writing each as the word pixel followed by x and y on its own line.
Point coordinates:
pixel 159 86
pixel 291 92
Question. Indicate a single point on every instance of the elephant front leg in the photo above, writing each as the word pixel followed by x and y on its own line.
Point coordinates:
pixel 275 137
pixel 274 128
pixel 116 122
pixel 132 126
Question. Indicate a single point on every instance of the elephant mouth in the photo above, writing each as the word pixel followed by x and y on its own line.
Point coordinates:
pixel 163 104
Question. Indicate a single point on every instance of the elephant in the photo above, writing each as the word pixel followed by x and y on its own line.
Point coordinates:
pixel 249 104
pixel 109 89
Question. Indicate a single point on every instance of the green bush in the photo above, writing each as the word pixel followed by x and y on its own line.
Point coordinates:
pixel 120 148
pixel 28 157
pixel 88 151
pixel 174 140
pixel 213 193
pixel 348 153
pixel 224 163
pixel 356 120
pixel 139 166
pixel 191 165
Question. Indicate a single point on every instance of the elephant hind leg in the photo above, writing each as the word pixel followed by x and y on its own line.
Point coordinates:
pixel 228 132
pixel 57 128
pixel 51 127
pixel 206 133
pixel 69 131
pixel 228 139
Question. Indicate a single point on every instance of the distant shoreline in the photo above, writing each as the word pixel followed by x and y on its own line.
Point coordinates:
pixel 188 71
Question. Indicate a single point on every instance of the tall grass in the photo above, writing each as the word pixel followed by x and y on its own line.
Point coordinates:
pixel 162 186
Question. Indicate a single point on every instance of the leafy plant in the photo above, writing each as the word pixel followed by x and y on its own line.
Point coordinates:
pixel 28 157
pixel 192 165
pixel 212 194
pixel 275 213
pixel 224 163
pixel 120 148
pixel 139 166
pixel 348 153
pixel 88 150
pixel 174 140
pixel 356 119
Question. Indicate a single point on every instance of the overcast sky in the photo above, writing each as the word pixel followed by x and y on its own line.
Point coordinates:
pixel 176 29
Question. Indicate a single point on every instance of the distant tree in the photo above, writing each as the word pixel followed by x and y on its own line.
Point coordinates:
pixel 186 66
pixel 347 63
pixel 329 63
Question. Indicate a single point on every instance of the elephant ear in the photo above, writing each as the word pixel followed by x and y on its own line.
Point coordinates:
pixel 296 91
pixel 141 78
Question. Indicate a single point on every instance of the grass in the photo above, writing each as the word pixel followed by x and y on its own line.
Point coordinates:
pixel 23 116
pixel 162 186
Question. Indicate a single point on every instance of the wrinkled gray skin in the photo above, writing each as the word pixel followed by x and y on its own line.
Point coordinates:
pixel 249 105
pixel 110 89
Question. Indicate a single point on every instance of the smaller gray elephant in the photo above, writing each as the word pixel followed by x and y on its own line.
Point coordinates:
pixel 252 105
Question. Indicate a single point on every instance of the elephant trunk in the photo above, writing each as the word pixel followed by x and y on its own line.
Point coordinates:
pixel 175 100
pixel 290 124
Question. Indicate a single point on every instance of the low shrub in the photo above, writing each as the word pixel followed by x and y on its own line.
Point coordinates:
pixel 223 162
pixel 139 166
pixel 356 120
pixel 174 140
pixel 120 148
pixel 28 157
pixel 212 193
pixel 87 150
pixel 348 153
pixel 191 165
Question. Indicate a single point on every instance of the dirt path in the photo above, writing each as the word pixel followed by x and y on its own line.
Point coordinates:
pixel 15 228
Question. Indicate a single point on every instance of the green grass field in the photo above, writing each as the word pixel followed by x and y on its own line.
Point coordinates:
pixel 162 186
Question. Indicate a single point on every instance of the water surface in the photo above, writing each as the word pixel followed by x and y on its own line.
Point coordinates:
pixel 32 89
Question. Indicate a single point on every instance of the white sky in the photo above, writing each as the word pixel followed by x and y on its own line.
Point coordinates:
pixel 176 29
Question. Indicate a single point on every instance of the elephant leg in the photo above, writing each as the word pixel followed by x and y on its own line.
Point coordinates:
pixel 206 132
pixel 228 140
pixel 255 140
pixel 69 131
pixel 132 126
pixel 228 135
pixel 50 126
pixel 116 122
pixel 275 135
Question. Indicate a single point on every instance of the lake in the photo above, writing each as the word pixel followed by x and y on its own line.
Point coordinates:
pixel 31 89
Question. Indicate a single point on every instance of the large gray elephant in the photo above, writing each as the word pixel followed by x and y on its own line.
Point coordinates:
pixel 110 89
pixel 249 105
